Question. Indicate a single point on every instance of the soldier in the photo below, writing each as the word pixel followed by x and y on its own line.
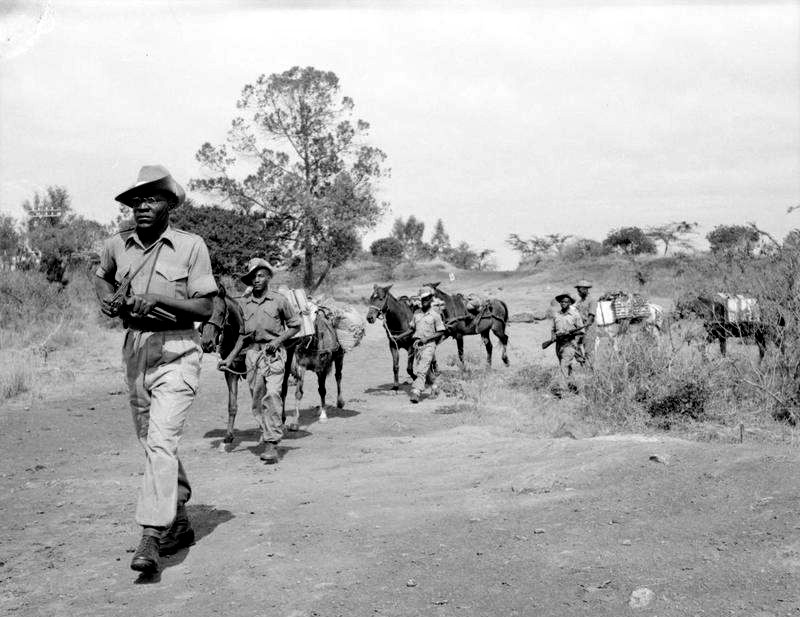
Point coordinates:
pixel 159 280
pixel 428 330
pixel 567 328
pixel 587 307
pixel 269 321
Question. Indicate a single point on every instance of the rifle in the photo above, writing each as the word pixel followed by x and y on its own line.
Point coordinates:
pixel 561 337
pixel 117 301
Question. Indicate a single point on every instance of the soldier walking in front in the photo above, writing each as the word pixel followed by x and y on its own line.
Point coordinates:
pixel 159 280
pixel 269 321
pixel 567 330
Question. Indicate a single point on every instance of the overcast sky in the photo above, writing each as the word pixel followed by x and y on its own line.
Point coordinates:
pixel 499 118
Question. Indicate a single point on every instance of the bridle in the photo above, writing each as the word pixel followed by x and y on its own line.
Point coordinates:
pixel 221 325
pixel 381 314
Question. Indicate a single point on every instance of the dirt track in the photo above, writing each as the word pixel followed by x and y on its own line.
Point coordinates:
pixel 390 509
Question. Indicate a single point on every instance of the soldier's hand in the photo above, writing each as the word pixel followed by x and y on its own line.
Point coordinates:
pixel 224 365
pixel 272 347
pixel 108 307
pixel 140 305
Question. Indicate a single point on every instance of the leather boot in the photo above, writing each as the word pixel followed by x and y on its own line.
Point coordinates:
pixel 270 453
pixel 146 557
pixel 179 535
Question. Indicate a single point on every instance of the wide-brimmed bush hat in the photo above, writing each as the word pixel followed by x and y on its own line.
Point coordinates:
pixel 153 178
pixel 561 297
pixel 425 292
pixel 583 283
pixel 255 264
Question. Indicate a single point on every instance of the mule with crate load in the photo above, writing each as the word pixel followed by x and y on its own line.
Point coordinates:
pixel 727 316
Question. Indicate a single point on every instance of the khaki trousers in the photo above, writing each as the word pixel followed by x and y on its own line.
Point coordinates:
pixel 265 377
pixel 163 373
pixel 423 358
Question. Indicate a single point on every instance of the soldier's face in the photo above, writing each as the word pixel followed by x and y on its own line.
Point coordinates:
pixel 583 291
pixel 565 304
pixel 150 210
pixel 261 279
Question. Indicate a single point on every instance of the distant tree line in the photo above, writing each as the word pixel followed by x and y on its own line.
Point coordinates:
pixel 634 241
pixel 406 244
pixel 52 238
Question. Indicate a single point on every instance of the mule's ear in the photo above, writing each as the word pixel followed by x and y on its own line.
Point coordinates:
pixel 374 287
pixel 436 284
pixel 388 287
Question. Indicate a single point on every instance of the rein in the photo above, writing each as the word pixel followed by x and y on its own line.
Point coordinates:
pixel 381 310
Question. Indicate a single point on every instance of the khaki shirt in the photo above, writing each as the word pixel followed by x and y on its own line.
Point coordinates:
pixel 566 322
pixel 427 325
pixel 180 268
pixel 586 307
pixel 267 317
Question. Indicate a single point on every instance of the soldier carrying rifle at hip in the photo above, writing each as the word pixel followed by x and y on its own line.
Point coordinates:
pixel 568 329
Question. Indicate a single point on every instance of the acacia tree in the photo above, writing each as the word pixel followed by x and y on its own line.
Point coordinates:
pixel 307 166
pixel 732 238
pixel 630 241
pixel 676 233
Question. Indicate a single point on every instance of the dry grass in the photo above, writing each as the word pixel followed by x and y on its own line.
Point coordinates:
pixel 39 318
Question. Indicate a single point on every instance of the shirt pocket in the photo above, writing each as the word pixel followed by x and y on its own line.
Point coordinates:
pixel 170 280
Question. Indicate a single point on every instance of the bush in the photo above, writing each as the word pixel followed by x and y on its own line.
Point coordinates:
pixel 582 248
pixel 645 378
pixel 685 397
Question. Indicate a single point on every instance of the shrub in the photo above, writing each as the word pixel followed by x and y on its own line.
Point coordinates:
pixel 685 397
pixel 582 248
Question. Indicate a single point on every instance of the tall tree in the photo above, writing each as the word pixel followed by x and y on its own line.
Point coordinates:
pixel 677 233
pixel 410 233
pixel 440 240
pixel 302 159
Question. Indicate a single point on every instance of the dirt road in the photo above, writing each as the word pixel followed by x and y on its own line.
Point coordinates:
pixel 389 509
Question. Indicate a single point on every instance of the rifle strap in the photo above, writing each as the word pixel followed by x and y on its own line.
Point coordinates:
pixel 134 271
pixel 153 267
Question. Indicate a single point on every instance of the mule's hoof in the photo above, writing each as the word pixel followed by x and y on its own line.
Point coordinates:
pixel 228 438
pixel 323 417
pixel 292 427
pixel 340 403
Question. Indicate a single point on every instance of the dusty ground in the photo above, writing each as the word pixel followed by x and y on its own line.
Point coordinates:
pixel 389 509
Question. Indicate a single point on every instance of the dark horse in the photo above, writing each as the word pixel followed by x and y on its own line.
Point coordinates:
pixel 317 353
pixel 397 316
pixel 460 322
pixel 718 328
pixel 222 329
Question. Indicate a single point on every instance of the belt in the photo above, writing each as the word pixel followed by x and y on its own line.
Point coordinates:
pixel 156 326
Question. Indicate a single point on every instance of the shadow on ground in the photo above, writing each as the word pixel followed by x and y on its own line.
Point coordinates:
pixel 205 519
